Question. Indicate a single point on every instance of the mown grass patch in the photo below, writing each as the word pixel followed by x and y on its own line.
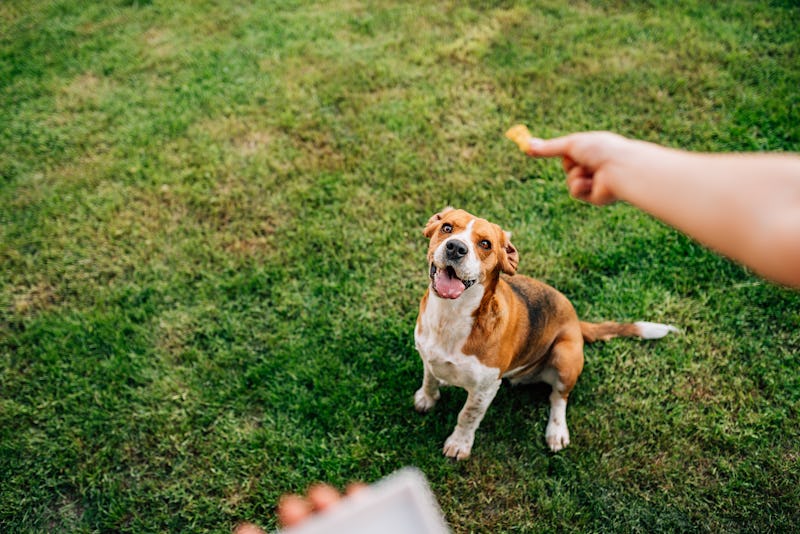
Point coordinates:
pixel 212 260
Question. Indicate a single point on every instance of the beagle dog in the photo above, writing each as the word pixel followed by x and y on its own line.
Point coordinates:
pixel 479 323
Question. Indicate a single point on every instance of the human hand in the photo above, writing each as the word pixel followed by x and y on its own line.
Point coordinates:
pixel 593 161
pixel 294 509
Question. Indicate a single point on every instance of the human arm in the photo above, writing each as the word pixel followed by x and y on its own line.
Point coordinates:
pixel 745 206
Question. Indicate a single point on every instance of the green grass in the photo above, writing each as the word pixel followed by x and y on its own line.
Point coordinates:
pixel 211 249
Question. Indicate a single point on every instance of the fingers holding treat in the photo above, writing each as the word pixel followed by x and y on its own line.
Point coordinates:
pixel 521 136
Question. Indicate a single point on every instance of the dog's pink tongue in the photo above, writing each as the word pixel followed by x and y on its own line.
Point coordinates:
pixel 446 286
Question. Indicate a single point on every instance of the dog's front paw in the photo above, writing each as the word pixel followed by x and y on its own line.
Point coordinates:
pixel 557 436
pixel 458 446
pixel 424 402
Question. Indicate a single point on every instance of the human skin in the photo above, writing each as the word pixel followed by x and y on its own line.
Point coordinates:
pixel 744 206
pixel 294 509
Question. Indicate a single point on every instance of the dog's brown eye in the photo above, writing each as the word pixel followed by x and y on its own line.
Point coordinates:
pixel 485 244
pixel 447 228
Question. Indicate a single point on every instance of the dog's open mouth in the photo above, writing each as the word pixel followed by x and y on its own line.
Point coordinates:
pixel 447 284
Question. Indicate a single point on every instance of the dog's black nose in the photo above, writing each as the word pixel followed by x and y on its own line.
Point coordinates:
pixel 455 249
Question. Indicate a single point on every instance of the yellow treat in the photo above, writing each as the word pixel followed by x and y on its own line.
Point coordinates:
pixel 520 135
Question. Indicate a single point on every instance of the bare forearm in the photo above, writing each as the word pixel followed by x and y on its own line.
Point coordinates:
pixel 746 207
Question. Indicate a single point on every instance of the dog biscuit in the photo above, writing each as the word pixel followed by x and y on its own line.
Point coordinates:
pixel 520 135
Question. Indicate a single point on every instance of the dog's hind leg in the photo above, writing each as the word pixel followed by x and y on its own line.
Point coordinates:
pixel 567 363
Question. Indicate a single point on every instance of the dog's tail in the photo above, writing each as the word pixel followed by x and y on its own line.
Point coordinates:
pixel 604 331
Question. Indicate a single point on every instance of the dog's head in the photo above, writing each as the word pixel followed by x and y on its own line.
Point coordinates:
pixel 465 250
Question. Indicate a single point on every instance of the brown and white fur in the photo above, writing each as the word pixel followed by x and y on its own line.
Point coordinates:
pixel 478 324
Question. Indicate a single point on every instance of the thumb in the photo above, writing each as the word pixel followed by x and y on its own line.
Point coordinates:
pixel 558 146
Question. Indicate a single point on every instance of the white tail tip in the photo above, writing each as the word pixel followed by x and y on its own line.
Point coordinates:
pixel 654 330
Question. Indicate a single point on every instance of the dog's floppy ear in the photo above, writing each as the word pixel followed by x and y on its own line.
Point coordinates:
pixel 430 227
pixel 509 257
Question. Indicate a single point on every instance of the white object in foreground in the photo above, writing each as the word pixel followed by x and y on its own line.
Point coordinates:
pixel 401 503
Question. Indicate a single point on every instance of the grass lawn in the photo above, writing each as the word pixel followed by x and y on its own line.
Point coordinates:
pixel 211 251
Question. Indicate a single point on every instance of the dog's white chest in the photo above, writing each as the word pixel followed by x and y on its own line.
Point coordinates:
pixel 440 336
